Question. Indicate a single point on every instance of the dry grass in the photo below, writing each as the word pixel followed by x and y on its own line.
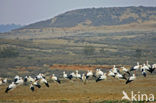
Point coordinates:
pixel 76 92
pixel 79 67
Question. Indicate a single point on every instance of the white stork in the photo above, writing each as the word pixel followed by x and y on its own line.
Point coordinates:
pixel 147 64
pixel 16 78
pixel 30 79
pixel 35 83
pixel 10 87
pixel 125 70
pixel 89 74
pixel 32 87
pixel 120 76
pixel 54 78
pixel 65 76
pixel 102 77
pixel 99 73
pixel 43 80
pixel 111 74
pixel 1 81
pixel 77 75
pixel 135 67
pixel 83 78
pixel 20 81
pixel 115 70
pixel 131 78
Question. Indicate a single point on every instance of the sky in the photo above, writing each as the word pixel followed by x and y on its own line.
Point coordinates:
pixel 25 12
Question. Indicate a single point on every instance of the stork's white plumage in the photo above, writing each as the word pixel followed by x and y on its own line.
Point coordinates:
pixel 10 87
pixel 35 83
pixel 137 67
pixel 1 81
pixel 54 78
pixel 131 78
pixel 20 81
pixel 115 70
pixel 83 78
pixel 39 76
pixel 65 76
pixel 43 80
pixel 120 76
pixel 25 78
pixel 32 87
pixel 111 74
pixel 16 78
pixel 125 70
pixel 99 73
pixel 77 75
pixel 89 74
pixel 153 67
pixel 145 67
pixel 30 79
pixel 73 75
pixel 147 64
pixel 102 77
pixel 143 70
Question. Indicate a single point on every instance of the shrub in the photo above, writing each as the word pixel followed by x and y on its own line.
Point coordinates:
pixel 8 52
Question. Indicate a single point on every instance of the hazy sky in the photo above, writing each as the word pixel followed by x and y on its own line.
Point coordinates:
pixel 30 11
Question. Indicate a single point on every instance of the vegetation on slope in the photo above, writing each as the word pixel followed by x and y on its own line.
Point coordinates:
pixel 99 17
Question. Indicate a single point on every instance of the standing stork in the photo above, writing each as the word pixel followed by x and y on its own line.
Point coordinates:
pixel 71 75
pixel 120 76
pixel 111 74
pixel 32 87
pixel 35 83
pixel 16 78
pixel 99 73
pixel 65 76
pixel 145 67
pixel 84 78
pixel 153 68
pixel 43 80
pixel 147 64
pixel 1 81
pixel 125 70
pixel 136 67
pixel 89 74
pixel 131 78
pixel 77 75
pixel 20 81
pixel 54 78
pixel 102 77
pixel 30 79
pixel 115 70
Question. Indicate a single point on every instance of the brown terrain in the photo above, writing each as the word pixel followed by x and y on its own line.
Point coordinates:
pixel 75 91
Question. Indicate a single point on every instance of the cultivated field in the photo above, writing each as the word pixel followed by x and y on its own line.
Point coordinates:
pixel 74 91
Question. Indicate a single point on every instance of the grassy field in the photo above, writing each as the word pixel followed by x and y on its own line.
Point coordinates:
pixel 107 91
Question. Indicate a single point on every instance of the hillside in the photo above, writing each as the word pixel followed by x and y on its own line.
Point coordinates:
pixel 123 42
pixel 99 17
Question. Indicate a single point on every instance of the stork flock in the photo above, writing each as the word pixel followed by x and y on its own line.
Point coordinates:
pixel 121 73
